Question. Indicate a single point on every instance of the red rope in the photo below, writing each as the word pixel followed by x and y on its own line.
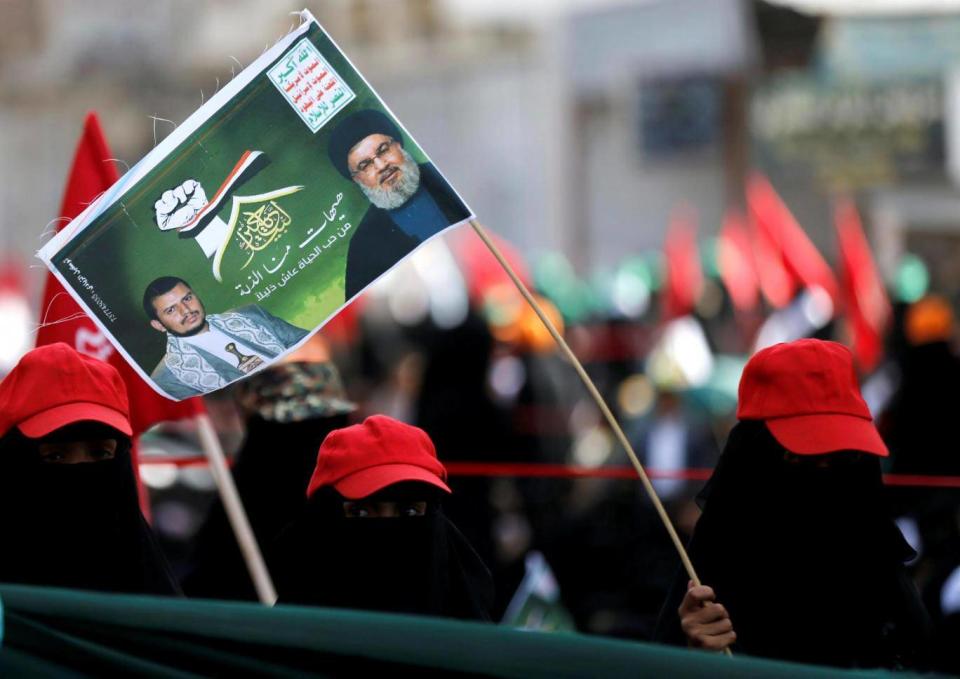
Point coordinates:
pixel 569 471
pixel 919 481
pixel 192 461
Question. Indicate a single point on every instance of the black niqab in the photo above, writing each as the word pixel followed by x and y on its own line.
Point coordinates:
pixel 76 525
pixel 804 557
pixel 421 565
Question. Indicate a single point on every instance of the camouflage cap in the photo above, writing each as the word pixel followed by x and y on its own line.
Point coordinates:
pixel 291 392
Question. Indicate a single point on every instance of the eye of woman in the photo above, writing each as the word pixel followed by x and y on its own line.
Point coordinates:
pixel 53 456
pixel 104 450
pixel 832 460
pixel 409 509
pixel 356 510
pixel 102 453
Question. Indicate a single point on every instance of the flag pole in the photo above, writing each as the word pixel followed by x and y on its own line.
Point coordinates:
pixel 252 555
pixel 595 393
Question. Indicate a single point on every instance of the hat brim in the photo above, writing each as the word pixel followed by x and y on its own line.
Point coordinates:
pixel 368 481
pixel 827 433
pixel 50 420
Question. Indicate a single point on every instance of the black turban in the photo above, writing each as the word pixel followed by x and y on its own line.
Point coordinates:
pixel 352 129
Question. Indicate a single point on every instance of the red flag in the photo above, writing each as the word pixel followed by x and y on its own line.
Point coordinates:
pixel 481 271
pixel 776 283
pixel 738 269
pixel 62 320
pixel 780 237
pixel 865 304
pixel 683 278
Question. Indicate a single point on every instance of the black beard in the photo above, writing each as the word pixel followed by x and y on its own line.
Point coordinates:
pixel 190 333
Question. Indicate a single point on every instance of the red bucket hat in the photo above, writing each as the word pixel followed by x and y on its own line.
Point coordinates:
pixel 53 386
pixel 364 458
pixel 806 392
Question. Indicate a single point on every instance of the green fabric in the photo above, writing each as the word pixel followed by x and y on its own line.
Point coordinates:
pixel 50 632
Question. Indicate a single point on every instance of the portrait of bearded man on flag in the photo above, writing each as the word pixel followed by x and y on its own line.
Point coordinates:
pixel 409 202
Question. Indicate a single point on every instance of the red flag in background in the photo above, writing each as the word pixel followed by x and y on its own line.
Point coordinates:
pixel 865 304
pixel 780 238
pixel 683 276
pixel 481 270
pixel 776 283
pixel 92 173
pixel 738 269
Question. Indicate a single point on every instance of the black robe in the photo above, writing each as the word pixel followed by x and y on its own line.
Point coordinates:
pixel 805 559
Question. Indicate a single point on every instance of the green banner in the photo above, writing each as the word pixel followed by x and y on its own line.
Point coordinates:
pixel 52 632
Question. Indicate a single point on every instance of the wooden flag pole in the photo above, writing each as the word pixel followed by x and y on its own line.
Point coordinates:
pixel 235 512
pixel 598 399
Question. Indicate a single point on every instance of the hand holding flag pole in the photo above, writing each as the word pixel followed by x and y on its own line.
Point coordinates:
pixel 598 399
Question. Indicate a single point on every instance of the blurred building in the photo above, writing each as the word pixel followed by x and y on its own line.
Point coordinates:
pixel 574 125
pixel 577 126
pixel 871 113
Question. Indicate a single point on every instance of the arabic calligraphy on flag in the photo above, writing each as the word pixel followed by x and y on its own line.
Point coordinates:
pixel 310 85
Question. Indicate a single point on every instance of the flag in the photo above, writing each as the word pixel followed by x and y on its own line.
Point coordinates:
pixel 781 239
pixel 62 320
pixel 738 268
pixel 776 283
pixel 536 604
pixel 683 278
pixel 866 308
pixel 230 183
pixel 481 270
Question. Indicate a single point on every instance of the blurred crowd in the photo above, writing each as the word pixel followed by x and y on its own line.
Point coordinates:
pixel 540 487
